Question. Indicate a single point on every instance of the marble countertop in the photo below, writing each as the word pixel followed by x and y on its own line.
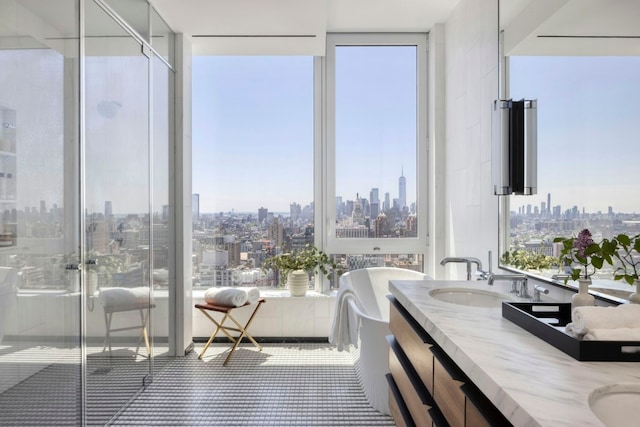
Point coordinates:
pixel 531 382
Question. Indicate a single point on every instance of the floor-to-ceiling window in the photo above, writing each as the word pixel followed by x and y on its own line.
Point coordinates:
pixel 279 164
pixel 253 170
pixel 376 174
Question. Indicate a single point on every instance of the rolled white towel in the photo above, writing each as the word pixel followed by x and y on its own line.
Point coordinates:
pixel 632 314
pixel 618 334
pixel 228 297
pixel 592 317
pixel 123 297
pixel 253 294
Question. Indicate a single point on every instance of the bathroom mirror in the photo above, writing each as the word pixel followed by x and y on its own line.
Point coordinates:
pixel 581 60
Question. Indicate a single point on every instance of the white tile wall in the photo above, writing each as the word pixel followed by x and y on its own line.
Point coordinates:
pixel 471 42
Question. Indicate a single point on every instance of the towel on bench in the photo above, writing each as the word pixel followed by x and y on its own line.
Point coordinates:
pixel 113 298
pixel 225 296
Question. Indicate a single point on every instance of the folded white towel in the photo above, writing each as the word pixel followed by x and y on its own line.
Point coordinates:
pixel 228 297
pixel 123 297
pixel 253 294
pixel 619 334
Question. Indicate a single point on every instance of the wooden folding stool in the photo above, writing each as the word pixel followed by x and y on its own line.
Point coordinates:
pixel 143 308
pixel 204 308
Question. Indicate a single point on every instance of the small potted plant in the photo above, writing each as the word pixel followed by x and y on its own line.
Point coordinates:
pixel 295 267
pixel 623 252
pixel 584 257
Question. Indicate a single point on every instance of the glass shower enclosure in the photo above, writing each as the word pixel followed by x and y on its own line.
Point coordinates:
pixel 84 195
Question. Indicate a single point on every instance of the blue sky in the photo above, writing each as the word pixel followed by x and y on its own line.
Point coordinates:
pixel 253 122
pixel 588 129
pixel 253 128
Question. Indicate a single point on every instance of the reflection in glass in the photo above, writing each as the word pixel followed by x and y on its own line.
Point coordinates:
pixel 587 151
pixel 116 214
pixel 40 284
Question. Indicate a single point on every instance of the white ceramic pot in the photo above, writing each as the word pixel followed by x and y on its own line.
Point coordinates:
pixel 635 297
pixel 298 283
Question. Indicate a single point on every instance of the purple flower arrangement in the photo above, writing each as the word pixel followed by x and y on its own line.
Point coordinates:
pixel 582 254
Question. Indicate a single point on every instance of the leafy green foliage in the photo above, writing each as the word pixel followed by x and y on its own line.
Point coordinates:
pixel 309 259
pixel 626 251
pixel 527 260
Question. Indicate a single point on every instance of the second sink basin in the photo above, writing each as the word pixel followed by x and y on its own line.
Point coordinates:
pixel 616 404
pixel 470 297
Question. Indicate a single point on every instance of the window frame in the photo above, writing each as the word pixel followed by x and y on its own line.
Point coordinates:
pixel 325 149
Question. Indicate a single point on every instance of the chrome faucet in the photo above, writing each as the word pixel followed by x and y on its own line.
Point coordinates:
pixel 518 284
pixel 484 275
pixel 537 290
pixel 467 260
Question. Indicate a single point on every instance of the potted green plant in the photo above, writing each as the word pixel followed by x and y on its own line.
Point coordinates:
pixel 584 257
pixel 623 252
pixel 295 267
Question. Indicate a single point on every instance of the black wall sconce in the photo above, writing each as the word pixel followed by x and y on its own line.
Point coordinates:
pixel 515 147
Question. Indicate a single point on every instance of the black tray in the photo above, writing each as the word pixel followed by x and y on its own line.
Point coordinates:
pixel 547 321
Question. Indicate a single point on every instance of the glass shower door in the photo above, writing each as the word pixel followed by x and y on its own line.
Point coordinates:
pixel 116 190
pixel 40 298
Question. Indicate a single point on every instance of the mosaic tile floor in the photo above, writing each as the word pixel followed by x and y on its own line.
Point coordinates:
pixel 283 385
pixel 303 384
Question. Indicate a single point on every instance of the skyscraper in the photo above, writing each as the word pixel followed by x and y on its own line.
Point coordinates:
pixel 195 208
pixel 402 196
pixel 374 202
pixel 108 209
pixel 262 214
pixel 357 217
pixel 549 202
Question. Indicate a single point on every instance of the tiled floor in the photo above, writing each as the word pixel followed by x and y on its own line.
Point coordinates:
pixel 305 384
pixel 284 385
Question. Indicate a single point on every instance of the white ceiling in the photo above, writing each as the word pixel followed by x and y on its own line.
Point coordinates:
pixel 236 27
pixel 227 23
pixel 571 27
pixel 532 27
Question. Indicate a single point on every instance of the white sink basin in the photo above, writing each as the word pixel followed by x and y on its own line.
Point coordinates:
pixel 616 404
pixel 470 297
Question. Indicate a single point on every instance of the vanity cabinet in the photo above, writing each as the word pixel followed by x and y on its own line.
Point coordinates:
pixel 427 387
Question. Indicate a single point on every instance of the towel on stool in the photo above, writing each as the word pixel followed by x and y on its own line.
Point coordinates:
pixel 123 297
pixel 253 294
pixel 592 317
pixel 228 297
pixel 619 334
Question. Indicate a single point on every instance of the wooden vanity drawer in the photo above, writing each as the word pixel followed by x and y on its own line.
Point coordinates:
pixel 414 343
pixel 473 417
pixel 397 406
pixel 416 405
pixel 448 394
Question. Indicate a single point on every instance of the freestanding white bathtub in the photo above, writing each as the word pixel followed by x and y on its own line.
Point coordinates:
pixel 365 291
